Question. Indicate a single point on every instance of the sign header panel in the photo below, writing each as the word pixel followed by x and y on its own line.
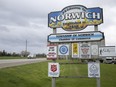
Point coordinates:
pixel 74 37
pixel 107 51
pixel 75 18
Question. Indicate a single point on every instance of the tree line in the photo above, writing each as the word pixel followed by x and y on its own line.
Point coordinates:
pixel 4 53
pixel 21 54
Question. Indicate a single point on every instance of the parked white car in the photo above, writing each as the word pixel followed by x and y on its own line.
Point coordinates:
pixel 110 60
pixel 31 56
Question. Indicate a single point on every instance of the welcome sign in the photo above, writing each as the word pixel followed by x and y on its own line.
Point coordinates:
pixel 75 18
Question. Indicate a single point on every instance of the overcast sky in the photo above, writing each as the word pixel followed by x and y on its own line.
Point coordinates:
pixel 22 20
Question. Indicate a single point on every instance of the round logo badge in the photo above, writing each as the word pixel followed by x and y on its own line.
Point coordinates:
pixel 63 49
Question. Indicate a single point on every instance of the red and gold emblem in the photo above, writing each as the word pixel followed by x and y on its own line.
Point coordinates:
pixel 53 68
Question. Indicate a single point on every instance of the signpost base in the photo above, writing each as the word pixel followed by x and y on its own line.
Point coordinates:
pixel 54 78
pixel 53 81
pixel 98 82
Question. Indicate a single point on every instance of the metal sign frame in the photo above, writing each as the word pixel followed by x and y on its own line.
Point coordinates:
pixel 84 17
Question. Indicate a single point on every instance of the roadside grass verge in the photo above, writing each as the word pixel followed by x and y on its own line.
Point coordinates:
pixel 30 75
pixel 36 75
pixel 11 57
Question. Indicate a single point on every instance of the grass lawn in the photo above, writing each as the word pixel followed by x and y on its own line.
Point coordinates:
pixel 36 75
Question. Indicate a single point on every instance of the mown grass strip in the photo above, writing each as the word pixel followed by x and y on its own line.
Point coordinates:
pixel 36 75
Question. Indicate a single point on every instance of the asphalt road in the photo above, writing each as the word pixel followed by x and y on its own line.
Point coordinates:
pixel 17 62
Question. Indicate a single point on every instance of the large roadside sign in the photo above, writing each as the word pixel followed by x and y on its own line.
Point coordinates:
pixel 74 37
pixel 107 51
pixel 75 17
pixel 51 52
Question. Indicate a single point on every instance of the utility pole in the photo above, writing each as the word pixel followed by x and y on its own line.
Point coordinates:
pixel 26 49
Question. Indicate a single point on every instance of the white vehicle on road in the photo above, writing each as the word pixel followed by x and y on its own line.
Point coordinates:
pixel 31 56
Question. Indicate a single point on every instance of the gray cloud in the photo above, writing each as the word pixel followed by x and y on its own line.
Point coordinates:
pixel 22 20
pixel 4 29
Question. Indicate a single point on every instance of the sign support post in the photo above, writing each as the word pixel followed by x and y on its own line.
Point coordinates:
pixel 53 81
pixel 98 79
pixel 95 27
pixel 98 82
pixel 54 31
pixel 54 78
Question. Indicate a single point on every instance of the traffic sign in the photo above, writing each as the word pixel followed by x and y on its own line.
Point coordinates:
pixel 74 37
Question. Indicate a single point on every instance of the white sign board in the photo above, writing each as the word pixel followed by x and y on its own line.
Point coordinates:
pixel 94 50
pixel 75 50
pixel 53 70
pixel 63 49
pixel 51 52
pixel 74 37
pixel 85 51
pixel 107 51
pixel 93 69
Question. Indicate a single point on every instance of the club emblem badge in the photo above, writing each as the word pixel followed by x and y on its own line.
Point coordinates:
pixel 53 68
